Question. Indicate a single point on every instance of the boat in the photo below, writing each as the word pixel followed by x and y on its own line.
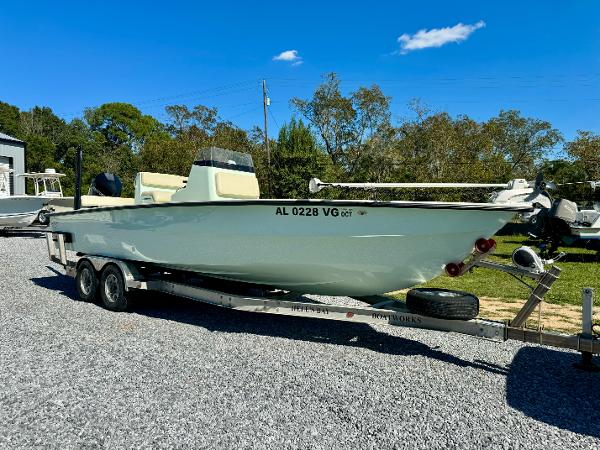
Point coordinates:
pixel 587 224
pixel 558 221
pixel 17 211
pixel 213 223
pixel 565 224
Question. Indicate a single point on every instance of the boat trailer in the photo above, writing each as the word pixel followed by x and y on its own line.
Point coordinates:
pixel 112 279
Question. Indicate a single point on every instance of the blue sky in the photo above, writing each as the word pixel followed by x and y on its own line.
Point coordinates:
pixel 542 58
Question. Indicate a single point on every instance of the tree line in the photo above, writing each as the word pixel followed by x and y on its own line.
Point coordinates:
pixel 332 136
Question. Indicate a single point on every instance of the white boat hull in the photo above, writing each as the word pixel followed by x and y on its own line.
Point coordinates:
pixel 20 210
pixel 322 247
pixel 586 233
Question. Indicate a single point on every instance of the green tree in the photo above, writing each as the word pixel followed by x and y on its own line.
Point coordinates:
pixel 295 159
pixel 440 148
pixel 122 124
pixel 41 121
pixel 585 149
pixel 41 153
pixel 345 125
pixel 567 175
pixel 189 131
pixel 121 129
pixel 47 139
pixel 10 120
pixel 523 141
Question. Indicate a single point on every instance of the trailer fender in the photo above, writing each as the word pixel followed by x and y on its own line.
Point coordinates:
pixel 131 275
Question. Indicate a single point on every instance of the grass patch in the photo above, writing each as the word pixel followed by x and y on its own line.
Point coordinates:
pixel 580 268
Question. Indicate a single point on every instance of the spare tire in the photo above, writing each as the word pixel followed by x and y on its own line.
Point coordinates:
pixel 442 303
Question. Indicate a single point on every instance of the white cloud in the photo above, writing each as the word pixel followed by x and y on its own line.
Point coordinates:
pixel 436 37
pixel 289 56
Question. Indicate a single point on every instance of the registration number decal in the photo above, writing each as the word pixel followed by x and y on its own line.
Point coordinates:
pixel 313 211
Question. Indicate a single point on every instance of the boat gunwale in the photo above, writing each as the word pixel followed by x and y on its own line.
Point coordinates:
pixel 509 207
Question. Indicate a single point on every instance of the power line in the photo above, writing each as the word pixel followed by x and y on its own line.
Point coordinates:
pixel 194 93
pixel 532 78
pixel 231 88
pixel 274 119
pixel 256 108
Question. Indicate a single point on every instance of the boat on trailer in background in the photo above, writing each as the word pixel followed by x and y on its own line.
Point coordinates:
pixel 19 211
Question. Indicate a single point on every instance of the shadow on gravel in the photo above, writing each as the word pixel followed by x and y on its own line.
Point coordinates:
pixel 213 318
pixel 543 384
pixel 22 234
pixel 540 382
pixel 58 282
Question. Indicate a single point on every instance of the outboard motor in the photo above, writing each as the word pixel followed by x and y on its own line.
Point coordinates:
pixel 551 225
pixel 564 210
pixel 107 185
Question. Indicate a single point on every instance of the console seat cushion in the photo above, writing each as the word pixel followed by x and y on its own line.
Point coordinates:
pixel 162 181
pixel 88 201
pixel 236 185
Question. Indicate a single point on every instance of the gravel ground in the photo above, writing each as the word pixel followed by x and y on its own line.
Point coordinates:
pixel 175 373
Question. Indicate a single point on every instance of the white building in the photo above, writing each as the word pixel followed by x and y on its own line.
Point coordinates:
pixel 12 152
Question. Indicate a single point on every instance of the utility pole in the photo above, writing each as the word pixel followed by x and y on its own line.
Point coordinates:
pixel 266 103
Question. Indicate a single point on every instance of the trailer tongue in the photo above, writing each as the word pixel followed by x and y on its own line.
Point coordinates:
pixel 113 280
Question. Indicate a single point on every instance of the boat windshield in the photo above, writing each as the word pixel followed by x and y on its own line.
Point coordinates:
pixel 52 186
pixel 224 159
pixel 47 186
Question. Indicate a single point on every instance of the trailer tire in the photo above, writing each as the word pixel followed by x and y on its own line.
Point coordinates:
pixel 86 281
pixel 442 303
pixel 112 289
pixel 43 218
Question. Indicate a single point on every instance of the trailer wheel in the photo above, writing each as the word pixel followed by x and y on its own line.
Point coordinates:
pixel 112 289
pixel 86 281
pixel 442 303
pixel 43 218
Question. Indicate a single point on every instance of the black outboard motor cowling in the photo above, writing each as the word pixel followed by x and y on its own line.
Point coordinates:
pixel 551 225
pixel 107 185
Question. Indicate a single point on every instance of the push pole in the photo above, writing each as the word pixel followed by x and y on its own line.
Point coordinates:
pixel 78 170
